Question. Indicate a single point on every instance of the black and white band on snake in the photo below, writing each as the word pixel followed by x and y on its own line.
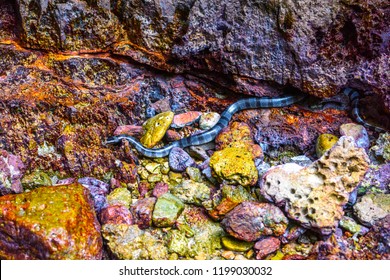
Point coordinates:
pixel 209 135
pixel 354 97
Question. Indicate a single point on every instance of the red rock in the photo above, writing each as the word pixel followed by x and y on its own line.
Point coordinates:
pixel 184 119
pixel 172 135
pixel 142 211
pixel 143 188
pixel 116 214
pixel 266 246
pixel 132 130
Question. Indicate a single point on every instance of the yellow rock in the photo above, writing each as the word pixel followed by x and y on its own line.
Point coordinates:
pixel 155 129
pixel 235 165
pixel 324 143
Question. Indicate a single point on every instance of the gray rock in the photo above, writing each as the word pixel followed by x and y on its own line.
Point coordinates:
pixel 372 207
pixel 179 160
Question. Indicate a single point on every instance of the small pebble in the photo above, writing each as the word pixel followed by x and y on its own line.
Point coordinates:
pixel 208 120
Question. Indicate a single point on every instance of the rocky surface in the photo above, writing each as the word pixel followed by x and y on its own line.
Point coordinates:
pixel 74 72
pixel 50 223
pixel 11 171
pixel 315 195
pixel 250 221
pixel 255 47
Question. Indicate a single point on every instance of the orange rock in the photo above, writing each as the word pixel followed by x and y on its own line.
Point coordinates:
pixel 184 119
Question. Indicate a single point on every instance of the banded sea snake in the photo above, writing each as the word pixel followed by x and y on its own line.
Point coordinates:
pixel 209 135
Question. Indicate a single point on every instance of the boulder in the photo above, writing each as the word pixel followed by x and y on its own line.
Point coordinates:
pixel 315 195
pixel 50 223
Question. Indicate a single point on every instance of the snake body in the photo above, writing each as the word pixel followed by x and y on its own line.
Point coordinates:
pixel 354 97
pixel 209 135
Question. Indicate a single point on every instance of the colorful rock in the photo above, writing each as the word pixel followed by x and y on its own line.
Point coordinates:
pixel 184 119
pixel 315 195
pixel 235 165
pixel 155 129
pixel 166 210
pixel 324 143
pixel 50 223
pixel 372 207
pixel 11 171
pixel 252 220
pixel 208 120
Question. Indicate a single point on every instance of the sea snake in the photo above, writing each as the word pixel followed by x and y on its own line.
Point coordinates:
pixel 209 135
pixel 354 97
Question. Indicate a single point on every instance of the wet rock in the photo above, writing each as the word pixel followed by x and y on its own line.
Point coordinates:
pixel 324 143
pixel 315 195
pixel 226 199
pixel 155 129
pixel 208 120
pixel 36 179
pixel 50 223
pixel 292 233
pixel 119 196
pixel 238 134
pixel 372 207
pixel 75 21
pixel 233 244
pixel 116 214
pixel 250 221
pixel 184 119
pixel 266 246
pixel 143 211
pixel 11 171
pixel 301 160
pixel 198 152
pixel 381 149
pixel 352 226
pixel 132 130
pixel 166 210
pixel 179 160
pixel 98 190
pixel 197 236
pixel 357 132
pixel 194 174
pixel 235 165
pixel 129 242
pixel 191 192
pixel 377 177
pixel 159 189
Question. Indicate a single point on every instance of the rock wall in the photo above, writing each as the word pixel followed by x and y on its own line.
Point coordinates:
pixel 254 47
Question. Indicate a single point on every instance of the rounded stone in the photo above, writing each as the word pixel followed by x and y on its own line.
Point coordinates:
pixel 179 160
pixel 324 143
pixel 155 128
pixel 208 120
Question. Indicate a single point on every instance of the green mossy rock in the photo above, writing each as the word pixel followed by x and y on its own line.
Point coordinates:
pixel 233 244
pixel 120 196
pixel 166 210
pixel 191 192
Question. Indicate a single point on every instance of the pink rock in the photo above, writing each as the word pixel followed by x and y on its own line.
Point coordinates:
pixel 132 130
pixel 116 214
pixel 11 171
pixel 159 189
pixel 184 119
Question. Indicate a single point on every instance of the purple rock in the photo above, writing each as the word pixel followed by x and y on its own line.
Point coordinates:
pixel 98 190
pixel 179 160
pixel 266 246
pixel 11 171
pixel 66 181
pixel 357 132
